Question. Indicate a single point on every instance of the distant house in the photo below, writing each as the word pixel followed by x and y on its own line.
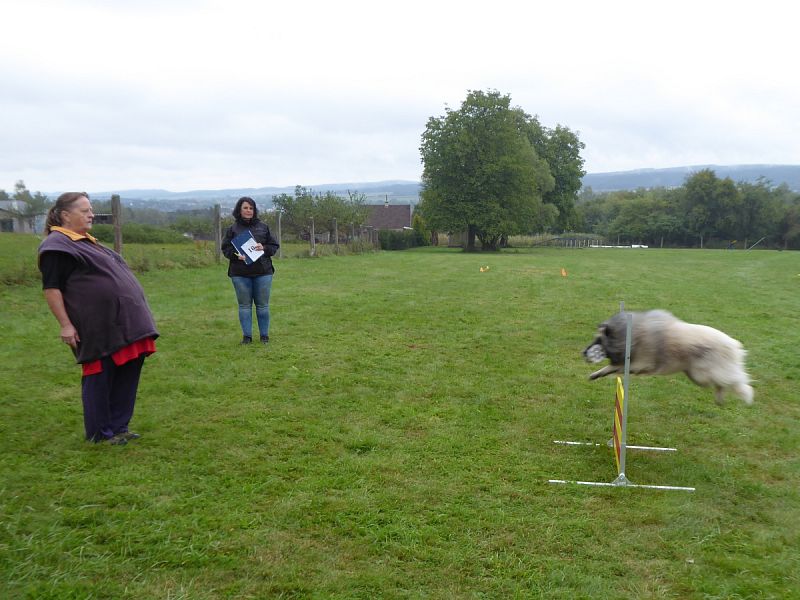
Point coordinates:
pixel 389 216
pixel 10 221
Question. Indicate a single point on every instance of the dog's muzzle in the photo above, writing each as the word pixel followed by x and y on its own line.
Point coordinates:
pixel 594 353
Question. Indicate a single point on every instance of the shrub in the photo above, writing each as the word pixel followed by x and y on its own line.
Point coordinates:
pixel 422 236
pixel 397 240
pixel 138 233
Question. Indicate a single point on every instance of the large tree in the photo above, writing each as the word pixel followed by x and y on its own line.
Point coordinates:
pixel 760 210
pixel 481 172
pixel 561 148
pixel 788 227
pixel 708 202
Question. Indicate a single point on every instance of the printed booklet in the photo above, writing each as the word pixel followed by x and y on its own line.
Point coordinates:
pixel 245 246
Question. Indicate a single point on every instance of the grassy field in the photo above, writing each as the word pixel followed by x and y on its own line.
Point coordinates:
pixel 394 440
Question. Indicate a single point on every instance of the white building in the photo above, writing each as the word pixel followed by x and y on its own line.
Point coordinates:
pixel 10 219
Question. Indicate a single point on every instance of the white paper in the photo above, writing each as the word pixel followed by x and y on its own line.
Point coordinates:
pixel 249 247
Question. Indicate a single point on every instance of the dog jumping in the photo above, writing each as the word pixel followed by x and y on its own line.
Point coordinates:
pixel 662 344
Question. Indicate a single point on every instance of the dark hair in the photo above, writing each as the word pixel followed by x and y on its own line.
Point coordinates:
pixel 237 210
pixel 64 203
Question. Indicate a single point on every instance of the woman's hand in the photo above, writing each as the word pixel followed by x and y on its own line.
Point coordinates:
pixel 55 300
pixel 69 335
pixel 258 246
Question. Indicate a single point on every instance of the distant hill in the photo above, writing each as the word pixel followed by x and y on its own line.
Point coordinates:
pixel 407 192
pixel 675 177
pixel 396 192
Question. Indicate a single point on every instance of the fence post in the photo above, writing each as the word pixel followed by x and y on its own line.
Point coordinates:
pixel 312 240
pixel 116 218
pixel 335 236
pixel 217 233
pixel 280 241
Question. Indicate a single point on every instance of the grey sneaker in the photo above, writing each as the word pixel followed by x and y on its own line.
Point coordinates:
pixel 118 440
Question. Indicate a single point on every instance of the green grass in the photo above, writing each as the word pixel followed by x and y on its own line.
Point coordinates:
pixel 394 440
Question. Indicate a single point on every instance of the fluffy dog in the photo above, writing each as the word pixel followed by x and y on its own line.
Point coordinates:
pixel 662 344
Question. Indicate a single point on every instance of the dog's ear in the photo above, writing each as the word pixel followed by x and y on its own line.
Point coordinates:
pixel 605 329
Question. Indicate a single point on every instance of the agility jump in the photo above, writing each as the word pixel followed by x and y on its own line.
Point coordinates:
pixel 620 431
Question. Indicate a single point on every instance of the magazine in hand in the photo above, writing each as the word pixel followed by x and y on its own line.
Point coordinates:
pixel 245 245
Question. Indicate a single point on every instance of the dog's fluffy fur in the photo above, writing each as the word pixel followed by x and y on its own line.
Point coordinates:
pixel 662 344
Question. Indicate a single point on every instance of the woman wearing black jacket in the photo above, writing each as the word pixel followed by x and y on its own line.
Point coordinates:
pixel 252 282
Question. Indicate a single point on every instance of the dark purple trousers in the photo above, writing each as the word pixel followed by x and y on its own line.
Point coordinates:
pixel 108 398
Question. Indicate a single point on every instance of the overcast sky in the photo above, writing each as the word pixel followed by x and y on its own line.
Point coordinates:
pixel 103 95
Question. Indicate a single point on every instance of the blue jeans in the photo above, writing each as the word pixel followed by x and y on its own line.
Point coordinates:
pixel 249 291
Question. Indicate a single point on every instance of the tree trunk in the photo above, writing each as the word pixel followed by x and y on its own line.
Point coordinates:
pixel 471 231
pixel 490 243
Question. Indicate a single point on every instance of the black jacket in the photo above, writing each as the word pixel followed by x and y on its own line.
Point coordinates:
pixel 262 234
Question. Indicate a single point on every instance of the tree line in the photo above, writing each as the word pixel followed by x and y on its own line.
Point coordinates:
pixel 327 211
pixel 144 224
pixel 705 211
